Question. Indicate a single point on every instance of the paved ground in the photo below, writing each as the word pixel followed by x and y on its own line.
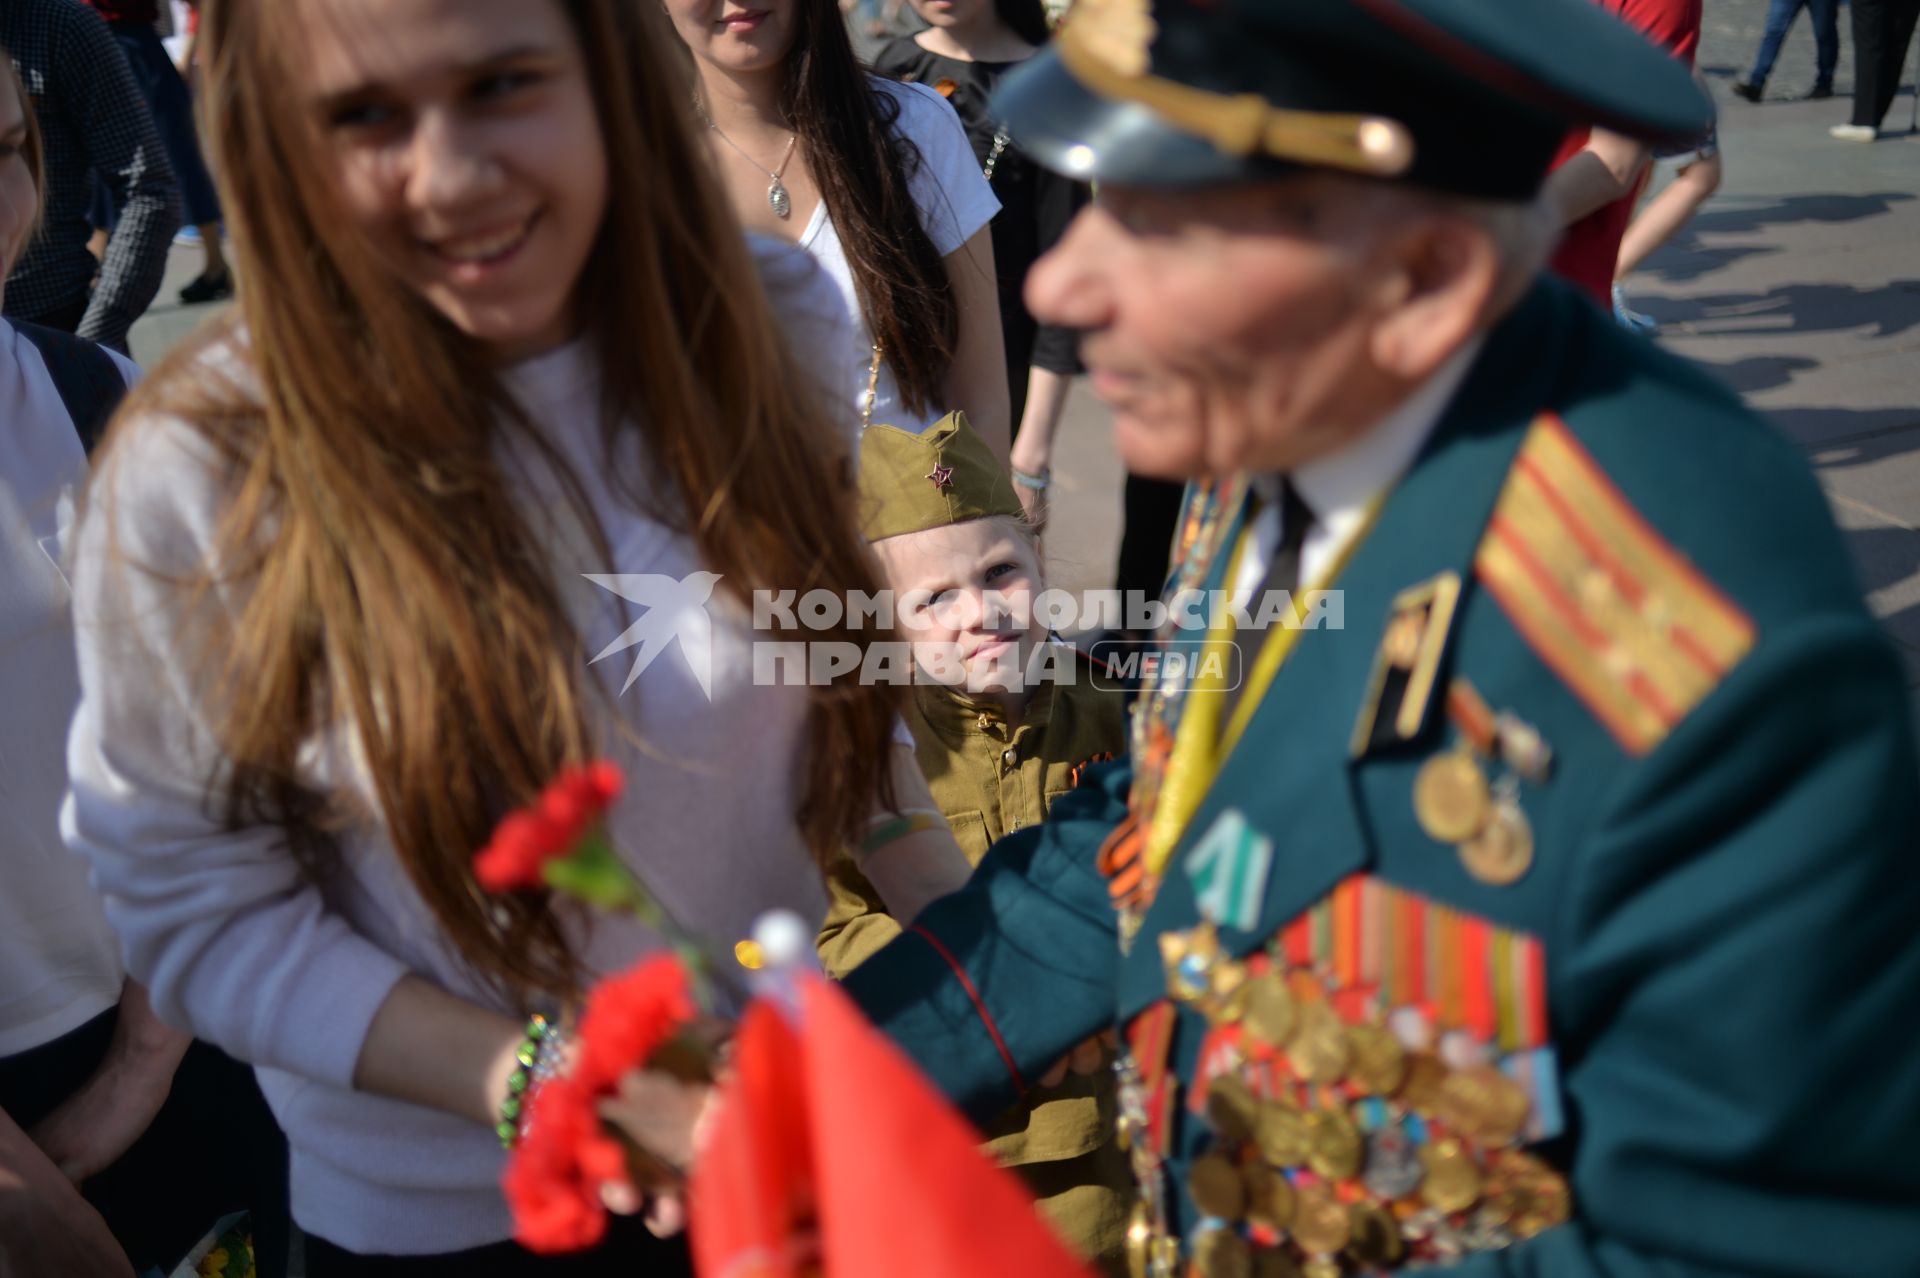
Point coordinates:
pixel 1799 284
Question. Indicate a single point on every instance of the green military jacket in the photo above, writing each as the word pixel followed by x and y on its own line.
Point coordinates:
pixel 1720 898
pixel 989 782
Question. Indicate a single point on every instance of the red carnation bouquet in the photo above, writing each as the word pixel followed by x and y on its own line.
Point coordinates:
pixel 567 1162
pixel 779 1191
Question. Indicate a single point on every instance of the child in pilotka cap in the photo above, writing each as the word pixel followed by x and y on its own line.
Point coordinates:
pixel 996 748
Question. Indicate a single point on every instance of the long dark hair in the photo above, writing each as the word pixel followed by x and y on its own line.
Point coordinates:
pixel 1025 18
pixel 846 127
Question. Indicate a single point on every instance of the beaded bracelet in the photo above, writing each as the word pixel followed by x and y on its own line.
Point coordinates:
pixel 535 1043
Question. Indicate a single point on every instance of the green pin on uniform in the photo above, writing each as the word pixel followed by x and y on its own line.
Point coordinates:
pixel 1229 867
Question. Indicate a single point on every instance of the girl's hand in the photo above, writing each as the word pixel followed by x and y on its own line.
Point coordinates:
pixel 666 1120
pixel 89 1131
pixel 46 1227
pixel 1088 1058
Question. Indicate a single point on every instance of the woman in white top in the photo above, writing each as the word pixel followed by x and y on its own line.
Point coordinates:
pixel 875 179
pixel 497 331
pixel 59 967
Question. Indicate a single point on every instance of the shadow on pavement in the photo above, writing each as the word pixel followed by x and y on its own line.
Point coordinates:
pixel 1867 435
pixel 1759 373
pixel 1684 260
pixel 1884 557
pixel 1884 310
pixel 1795 208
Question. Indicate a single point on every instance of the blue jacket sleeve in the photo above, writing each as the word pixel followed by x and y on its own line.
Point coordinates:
pixel 1738 996
pixel 990 986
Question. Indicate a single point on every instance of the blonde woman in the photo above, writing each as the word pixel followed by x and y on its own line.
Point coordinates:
pixel 496 330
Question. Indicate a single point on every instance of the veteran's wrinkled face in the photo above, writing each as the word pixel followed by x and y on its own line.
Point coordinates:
pixel 462 138
pixel 1227 329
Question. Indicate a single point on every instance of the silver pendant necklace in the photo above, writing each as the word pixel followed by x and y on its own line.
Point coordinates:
pixel 777 197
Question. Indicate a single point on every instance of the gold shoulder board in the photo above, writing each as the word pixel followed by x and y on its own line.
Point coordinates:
pixel 1619 614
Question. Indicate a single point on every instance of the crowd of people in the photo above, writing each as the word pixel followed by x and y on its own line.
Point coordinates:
pixel 1882 34
pixel 531 292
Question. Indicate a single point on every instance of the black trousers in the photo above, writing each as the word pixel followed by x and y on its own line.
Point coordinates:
pixel 1882 30
pixel 213 1149
pixel 1152 509
pixel 628 1251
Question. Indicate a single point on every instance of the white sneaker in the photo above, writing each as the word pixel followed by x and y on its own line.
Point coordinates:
pixel 1854 132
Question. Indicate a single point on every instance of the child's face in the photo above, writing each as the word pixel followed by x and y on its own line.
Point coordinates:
pixel 964 594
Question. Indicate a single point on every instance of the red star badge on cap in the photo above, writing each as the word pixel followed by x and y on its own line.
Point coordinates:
pixel 941 476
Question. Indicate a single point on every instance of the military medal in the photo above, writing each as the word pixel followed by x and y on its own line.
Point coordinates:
pixel 1232 1110
pixel 1454 802
pixel 1453 1179
pixel 1319 1050
pixel 1268 1014
pixel 1216 1187
pixel 1271 1262
pixel 1502 852
pixel 1451 797
pixel 1190 959
pixel 1523 748
pixel 1223 1253
pixel 1269 1197
pixel 1281 1133
pixel 1320 1223
pixel 1200 974
pixel 1333 1144
pixel 1393 1168
pixel 1540 1195
pixel 1376 1238
pixel 1369 1078
pixel 1379 1063
pixel 1483 1103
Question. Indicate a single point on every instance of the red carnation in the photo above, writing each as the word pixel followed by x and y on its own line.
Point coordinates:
pixel 554 1179
pixel 547 830
pixel 627 1018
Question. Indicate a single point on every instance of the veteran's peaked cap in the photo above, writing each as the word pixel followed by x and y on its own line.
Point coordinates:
pixel 1468 96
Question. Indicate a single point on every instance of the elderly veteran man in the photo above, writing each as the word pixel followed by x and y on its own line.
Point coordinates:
pixel 1555 915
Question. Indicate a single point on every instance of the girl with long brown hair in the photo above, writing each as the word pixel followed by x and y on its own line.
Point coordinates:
pixel 874 179
pixel 497 331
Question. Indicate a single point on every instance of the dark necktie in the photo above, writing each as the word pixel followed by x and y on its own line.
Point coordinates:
pixel 1283 573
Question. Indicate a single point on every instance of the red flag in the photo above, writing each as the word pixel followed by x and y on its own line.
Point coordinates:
pixel 830 1153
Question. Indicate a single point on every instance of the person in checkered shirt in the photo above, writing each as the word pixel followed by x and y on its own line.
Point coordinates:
pixel 93 120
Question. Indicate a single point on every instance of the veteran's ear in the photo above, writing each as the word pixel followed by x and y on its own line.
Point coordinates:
pixel 1437 276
